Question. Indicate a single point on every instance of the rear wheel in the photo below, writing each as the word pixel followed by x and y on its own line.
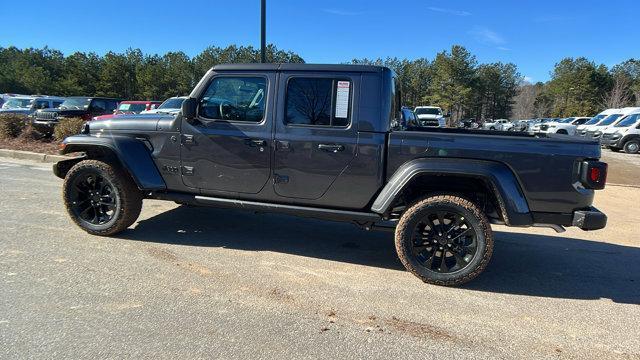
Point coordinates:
pixel 632 146
pixel 100 198
pixel 444 240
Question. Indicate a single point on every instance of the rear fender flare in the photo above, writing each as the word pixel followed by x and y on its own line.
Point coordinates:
pixel 132 154
pixel 506 188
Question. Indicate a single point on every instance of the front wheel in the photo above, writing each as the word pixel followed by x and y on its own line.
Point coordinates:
pixel 444 240
pixel 632 146
pixel 101 199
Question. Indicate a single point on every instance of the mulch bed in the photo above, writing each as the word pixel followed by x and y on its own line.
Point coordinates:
pixel 39 146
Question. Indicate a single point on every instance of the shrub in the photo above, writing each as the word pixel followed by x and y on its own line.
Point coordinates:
pixel 67 127
pixel 11 125
pixel 30 133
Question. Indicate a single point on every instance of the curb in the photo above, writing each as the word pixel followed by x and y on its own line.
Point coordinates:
pixel 28 155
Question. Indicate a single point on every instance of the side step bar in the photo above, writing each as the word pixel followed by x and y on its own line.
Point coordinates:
pixel 303 211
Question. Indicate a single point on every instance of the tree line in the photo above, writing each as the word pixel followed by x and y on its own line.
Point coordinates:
pixel 453 79
pixel 128 75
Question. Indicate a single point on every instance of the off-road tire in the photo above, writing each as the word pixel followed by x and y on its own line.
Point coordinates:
pixel 632 146
pixel 479 223
pixel 130 197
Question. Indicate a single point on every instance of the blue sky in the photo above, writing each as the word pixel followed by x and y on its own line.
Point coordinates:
pixel 532 34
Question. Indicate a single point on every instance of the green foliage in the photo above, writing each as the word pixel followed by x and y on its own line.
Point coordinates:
pixel 67 127
pixel 130 75
pixel 11 125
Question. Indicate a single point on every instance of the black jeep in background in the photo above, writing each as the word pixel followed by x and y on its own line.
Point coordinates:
pixel 73 107
pixel 318 141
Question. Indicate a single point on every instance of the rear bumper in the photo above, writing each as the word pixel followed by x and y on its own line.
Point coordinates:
pixel 587 219
pixel 591 219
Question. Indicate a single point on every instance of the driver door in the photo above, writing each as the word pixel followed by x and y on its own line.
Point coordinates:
pixel 227 148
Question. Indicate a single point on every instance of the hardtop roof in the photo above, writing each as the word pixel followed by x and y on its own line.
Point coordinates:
pixel 299 67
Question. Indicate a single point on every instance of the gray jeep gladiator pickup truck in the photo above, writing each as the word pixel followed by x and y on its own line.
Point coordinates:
pixel 333 142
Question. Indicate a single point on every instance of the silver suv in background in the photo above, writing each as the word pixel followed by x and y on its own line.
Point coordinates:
pixel 430 116
pixel 27 105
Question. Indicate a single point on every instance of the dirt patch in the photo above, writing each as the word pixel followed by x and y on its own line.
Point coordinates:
pixel 170 257
pixel 624 169
pixel 43 147
pixel 280 295
pixel 418 330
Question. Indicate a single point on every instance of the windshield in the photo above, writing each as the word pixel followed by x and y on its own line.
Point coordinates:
pixel 595 119
pixel 428 111
pixel 566 121
pixel 134 108
pixel 609 119
pixel 173 103
pixel 628 121
pixel 17 103
pixel 75 103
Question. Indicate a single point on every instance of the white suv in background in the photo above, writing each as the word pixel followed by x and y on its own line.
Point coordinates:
pixel 566 126
pixel 500 124
pixel 430 116
pixel 582 129
pixel 624 135
pixel 595 131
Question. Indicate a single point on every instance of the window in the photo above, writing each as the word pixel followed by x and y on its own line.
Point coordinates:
pixel 42 104
pixel 98 105
pixel 628 121
pixel 56 104
pixel 111 106
pixel 318 102
pixel 235 99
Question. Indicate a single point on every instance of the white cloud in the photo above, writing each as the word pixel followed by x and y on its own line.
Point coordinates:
pixel 449 11
pixel 528 79
pixel 342 12
pixel 487 36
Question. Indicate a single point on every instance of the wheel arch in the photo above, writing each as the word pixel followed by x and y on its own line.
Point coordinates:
pixel 458 176
pixel 129 153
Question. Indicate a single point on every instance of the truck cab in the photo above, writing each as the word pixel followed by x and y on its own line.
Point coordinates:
pixel 333 142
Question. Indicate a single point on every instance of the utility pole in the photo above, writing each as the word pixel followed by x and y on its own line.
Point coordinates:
pixel 263 31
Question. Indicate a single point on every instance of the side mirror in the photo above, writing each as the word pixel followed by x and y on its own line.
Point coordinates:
pixel 189 107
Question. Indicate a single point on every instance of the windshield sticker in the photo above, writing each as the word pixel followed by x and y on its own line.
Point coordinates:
pixel 342 99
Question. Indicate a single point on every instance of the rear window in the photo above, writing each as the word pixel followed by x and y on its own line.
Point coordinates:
pixel 318 102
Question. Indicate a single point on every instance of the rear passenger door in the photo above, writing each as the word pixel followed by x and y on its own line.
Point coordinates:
pixel 315 137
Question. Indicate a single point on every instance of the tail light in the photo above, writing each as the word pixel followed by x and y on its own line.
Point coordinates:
pixel 593 174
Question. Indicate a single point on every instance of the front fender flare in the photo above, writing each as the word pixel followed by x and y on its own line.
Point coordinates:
pixel 131 152
pixel 502 180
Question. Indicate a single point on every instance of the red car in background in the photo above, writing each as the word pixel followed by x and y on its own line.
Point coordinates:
pixel 130 107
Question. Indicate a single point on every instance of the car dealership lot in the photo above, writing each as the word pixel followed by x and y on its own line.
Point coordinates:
pixel 187 282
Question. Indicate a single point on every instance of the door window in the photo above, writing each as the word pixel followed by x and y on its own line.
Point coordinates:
pixel 42 104
pixel 318 102
pixel 235 98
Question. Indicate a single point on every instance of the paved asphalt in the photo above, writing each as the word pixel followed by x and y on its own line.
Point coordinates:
pixel 208 283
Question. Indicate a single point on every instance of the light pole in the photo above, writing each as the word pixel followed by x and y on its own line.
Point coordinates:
pixel 263 31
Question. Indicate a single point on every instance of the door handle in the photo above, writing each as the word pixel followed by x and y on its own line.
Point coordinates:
pixel 330 147
pixel 187 139
pixel 255 142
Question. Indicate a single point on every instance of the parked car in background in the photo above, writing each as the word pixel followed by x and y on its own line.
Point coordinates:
pixel 624 135
pixel 582 129
pixel 27 105
pixel 500 125
pixel 77 106
pixel 522 125
pixel 430 116
pixel 130 107
pixel 169 106
pixel 595 131
pixel 566 126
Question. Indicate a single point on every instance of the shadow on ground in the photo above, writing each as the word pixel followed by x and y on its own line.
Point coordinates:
pixel 525 264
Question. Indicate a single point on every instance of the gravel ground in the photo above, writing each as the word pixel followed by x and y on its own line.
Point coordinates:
pixel 199 282
pixel 624 168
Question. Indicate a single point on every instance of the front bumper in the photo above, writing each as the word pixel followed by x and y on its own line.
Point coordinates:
pixel 591 219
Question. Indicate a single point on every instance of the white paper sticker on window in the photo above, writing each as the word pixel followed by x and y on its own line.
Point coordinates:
pixel 342 99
